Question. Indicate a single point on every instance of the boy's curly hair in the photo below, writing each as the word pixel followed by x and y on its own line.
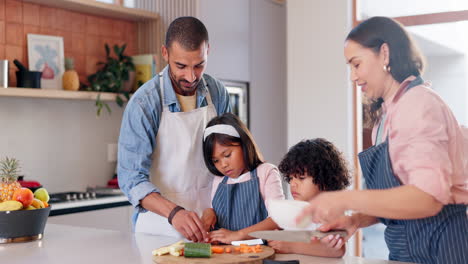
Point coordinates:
pixel 319 159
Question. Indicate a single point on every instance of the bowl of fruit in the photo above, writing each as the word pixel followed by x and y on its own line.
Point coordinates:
pixel 23 213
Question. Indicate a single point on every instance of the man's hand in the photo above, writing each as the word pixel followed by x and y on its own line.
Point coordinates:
pixel 189 225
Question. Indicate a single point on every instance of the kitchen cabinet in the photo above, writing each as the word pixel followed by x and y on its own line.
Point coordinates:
pixel 117 218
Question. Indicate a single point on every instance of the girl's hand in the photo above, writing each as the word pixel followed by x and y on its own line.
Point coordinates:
pixel 348 223
pixel 225 236
pixel 280 247
pixel 208 219
pixel 324 208
pixel 332 241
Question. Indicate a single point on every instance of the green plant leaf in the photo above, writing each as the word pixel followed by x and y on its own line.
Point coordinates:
pixel 117 51
pixel 111 76
pixel 107 50
pixel 108 108
pixel 119 101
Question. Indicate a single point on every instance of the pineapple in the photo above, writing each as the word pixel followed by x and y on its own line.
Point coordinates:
pixel 70 78
pixel 9 169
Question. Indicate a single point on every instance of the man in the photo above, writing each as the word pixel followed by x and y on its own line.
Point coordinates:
pixel 160 164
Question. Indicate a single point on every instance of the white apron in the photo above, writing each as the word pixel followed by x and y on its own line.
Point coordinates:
pixel 178 168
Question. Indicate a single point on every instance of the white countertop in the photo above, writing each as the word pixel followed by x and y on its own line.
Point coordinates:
pixel 69 244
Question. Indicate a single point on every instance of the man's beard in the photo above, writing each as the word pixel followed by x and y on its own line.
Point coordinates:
pixel 181 87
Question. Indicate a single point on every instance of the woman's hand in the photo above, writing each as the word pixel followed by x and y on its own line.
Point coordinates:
pixel 208 219
pixel 226 236
pixel 348 223
pixel 280 247
pixel 324 208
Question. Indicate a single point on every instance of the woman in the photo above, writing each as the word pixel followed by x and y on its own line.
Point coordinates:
pixel 417 171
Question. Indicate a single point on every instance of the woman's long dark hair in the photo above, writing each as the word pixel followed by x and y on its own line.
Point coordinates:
pixel 405 58
pixel 251 153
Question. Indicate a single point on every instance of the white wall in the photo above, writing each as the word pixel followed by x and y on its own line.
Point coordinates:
pixel 268 78
pixel 448 77
pixel 228 28
pixel 249 44
pixel 319 92
pixel 60 143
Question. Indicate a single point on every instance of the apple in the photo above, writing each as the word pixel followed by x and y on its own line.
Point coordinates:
pixel 24 196
pixel 42 194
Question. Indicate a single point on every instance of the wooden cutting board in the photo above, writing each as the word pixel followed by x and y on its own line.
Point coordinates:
pixel 224 258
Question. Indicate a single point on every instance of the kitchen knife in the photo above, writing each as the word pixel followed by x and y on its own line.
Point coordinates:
pixel 295 236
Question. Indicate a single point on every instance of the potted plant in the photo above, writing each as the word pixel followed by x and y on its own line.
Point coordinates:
pixel 111 77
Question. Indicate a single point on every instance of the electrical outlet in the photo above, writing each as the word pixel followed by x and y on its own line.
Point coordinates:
pixel 112 152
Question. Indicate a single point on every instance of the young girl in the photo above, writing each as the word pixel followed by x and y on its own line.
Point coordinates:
pixel 243 184
pixel 311 167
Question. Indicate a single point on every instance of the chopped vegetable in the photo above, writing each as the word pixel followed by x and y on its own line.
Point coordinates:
pixel 218 250
pixel 160 251
pixel 174 249
pixel 197 250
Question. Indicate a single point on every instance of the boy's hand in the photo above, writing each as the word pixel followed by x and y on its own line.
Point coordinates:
pixel 226 236
pixel 331 241
pixel 280 247
pixel 208 219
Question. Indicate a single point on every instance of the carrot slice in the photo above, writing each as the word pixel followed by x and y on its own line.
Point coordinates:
pixel 218 250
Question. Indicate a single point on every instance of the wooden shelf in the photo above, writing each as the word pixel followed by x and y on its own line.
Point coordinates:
pixel 54 94
pixel 100 9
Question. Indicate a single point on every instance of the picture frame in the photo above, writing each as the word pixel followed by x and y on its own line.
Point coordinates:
pixel 45 54
pixel 239 99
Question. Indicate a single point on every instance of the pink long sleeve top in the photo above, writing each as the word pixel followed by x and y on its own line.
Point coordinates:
pixel 427 146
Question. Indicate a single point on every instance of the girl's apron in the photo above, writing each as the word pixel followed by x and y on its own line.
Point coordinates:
pixel 442 238
pixel 239 205
pixel 178 169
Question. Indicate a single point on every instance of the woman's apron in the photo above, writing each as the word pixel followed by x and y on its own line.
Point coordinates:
pixel 177 168
pixel 239 205
pixel 442 238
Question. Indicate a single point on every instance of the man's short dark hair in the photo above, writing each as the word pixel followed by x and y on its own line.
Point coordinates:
pixel 189 32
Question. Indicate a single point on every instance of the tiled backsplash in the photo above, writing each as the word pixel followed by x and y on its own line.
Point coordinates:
pixel 83 35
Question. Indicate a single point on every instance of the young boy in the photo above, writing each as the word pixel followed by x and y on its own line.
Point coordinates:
pixel 311 167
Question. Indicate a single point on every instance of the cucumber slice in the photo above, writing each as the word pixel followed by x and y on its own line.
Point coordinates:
pixel 197 250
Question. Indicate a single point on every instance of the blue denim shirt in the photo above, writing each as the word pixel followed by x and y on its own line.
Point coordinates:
pixel 139 128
